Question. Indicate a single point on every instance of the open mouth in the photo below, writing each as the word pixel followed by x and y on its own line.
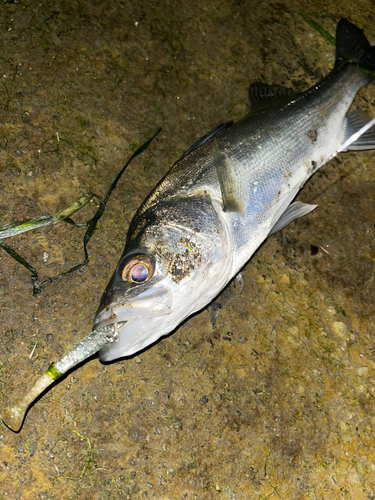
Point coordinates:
pixel 111 328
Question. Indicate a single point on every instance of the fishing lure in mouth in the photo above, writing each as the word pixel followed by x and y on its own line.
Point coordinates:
pixel 228 193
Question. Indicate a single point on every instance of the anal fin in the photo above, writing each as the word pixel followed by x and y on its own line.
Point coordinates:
pixel 293 212
pixel 359 132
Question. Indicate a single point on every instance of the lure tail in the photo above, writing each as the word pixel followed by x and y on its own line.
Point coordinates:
pixel 13 416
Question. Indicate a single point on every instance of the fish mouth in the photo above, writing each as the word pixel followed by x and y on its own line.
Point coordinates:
pixel 110 327
pixel 112 319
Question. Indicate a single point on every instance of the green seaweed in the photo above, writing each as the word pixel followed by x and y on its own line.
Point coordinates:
pixel 64 215
pixel 267 477
pixel 318 28
pixel 16 256
pixel 15 228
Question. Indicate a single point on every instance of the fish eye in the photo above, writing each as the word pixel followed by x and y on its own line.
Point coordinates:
pixel 139 273
pixel 138 270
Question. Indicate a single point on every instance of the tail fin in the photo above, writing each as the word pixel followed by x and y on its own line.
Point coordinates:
pixel 352 45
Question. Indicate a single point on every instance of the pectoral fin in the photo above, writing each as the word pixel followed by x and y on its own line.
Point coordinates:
pixel 231 188
pixel 293 212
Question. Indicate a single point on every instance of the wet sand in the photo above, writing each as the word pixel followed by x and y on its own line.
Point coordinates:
pixel 274 401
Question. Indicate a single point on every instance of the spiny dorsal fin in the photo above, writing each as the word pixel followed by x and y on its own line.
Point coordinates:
pixel 261 95
pixel 215 131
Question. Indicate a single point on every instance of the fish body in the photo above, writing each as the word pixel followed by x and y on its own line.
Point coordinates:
pixel 228 193
pixel 223 198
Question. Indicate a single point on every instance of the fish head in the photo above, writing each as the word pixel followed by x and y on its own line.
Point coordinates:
pixel 171 267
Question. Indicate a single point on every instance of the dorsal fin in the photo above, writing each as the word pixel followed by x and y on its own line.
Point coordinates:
pixel 205 138
pixel 261 95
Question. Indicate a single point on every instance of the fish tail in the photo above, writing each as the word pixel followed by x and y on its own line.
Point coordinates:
pixel 353 46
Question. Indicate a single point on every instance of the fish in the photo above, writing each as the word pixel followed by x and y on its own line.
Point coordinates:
pixel 219 202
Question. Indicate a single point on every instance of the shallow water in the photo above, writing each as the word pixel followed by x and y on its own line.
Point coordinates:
pixel 276 400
